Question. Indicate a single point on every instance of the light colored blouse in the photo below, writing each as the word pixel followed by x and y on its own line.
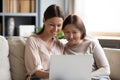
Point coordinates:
pixel 100 66
pixel 37 54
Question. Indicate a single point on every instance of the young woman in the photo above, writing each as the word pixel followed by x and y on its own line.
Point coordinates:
pixel 75 33
pixel 40 46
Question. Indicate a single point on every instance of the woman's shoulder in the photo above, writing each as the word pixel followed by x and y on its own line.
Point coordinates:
pixel 92 40
pixel 32 38
pixel 60 43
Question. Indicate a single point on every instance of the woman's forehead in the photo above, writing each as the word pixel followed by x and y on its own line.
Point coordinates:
pixel 55 20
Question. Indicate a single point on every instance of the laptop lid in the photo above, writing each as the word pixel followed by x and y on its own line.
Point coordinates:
pixel 71 67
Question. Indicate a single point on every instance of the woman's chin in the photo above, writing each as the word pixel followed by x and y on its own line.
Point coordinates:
pixel 54 36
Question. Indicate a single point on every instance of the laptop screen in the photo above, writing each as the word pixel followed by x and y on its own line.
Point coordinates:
pixel 71 67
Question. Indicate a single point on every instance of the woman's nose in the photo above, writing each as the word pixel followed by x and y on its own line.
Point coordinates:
pixel 70 35
pixel 55 28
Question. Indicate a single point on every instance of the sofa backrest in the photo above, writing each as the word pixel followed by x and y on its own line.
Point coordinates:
pixel 113 56
pixel 4 60
pixel 16 47
pixel 16 57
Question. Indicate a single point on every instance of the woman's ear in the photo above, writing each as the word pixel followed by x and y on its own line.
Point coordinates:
pixel 43 20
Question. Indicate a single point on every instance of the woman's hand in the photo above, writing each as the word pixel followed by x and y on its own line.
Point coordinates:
pixel 41 74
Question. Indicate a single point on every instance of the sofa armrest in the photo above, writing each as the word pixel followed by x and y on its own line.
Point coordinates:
pixel 4 60
pixel 113 56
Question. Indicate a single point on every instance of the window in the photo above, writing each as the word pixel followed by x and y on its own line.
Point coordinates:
pixel 99 16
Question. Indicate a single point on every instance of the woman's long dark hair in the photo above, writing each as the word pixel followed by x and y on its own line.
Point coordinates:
pixel 52 11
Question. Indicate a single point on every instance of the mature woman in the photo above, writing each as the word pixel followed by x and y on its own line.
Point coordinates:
pixel 40 46
pixel 75 32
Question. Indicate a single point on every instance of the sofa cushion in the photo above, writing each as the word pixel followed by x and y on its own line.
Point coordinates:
pixel 16 56
pixel 4 61
pixel 113 56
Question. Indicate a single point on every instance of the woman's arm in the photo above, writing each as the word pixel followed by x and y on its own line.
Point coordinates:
pixel 33 61
pixel 101 61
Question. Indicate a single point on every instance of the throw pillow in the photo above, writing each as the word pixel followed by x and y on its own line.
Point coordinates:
pixel 16 56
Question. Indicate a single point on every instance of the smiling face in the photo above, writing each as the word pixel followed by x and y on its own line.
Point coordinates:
pixel 74 29
pixel 72 34
pixel 53 26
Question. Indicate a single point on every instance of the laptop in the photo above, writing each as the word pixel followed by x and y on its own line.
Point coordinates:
pixel 71 67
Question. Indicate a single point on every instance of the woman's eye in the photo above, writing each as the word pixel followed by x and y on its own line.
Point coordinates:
pixel 51 24
pixel 67 32
pixel 74 32
pixel 59 25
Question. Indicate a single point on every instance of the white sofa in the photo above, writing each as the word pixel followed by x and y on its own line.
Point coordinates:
pixel 113 56
pixel 12 59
